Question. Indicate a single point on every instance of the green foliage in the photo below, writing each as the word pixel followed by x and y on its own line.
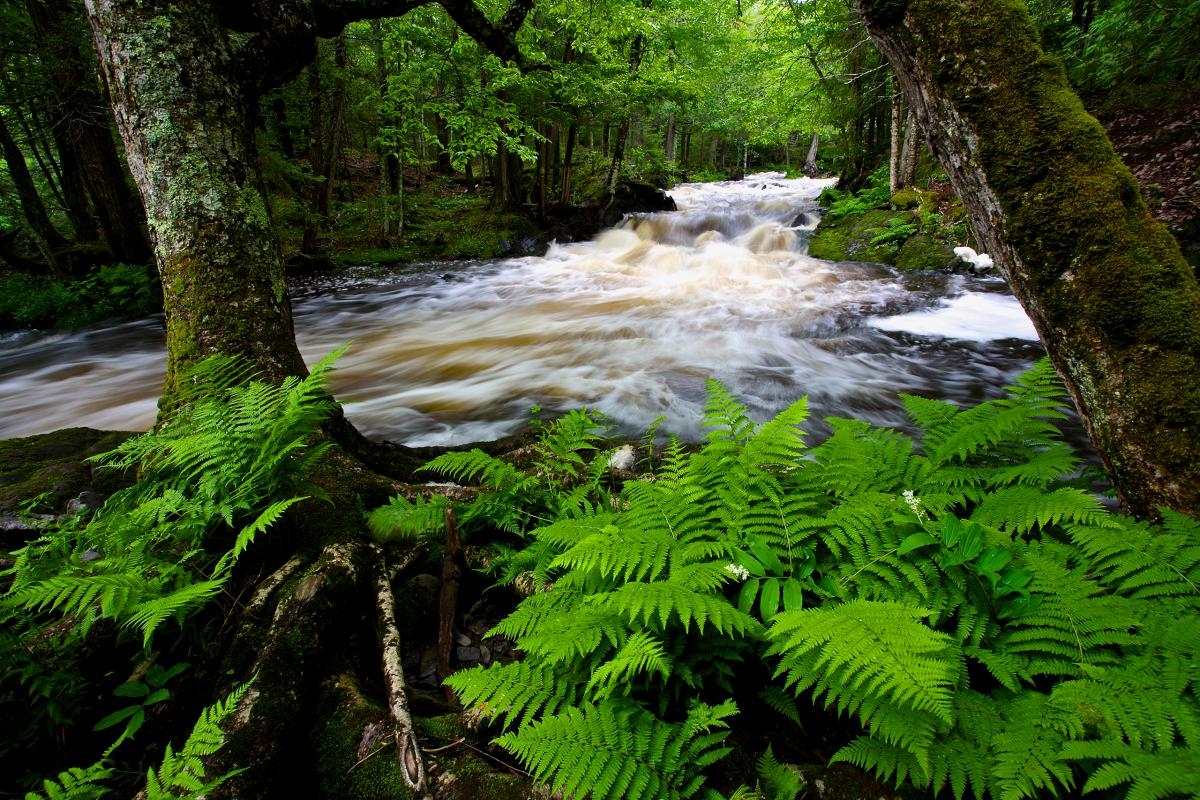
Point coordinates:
pixel 148 692
pixel 184 774
pixel 114 290
pixel 564 480
pixel 180 776
pixel 992 629
pixel 231 458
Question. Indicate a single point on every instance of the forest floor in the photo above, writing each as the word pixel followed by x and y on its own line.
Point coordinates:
pixel 1162 148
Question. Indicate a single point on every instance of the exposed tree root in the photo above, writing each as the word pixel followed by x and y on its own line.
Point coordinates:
pixel 408 751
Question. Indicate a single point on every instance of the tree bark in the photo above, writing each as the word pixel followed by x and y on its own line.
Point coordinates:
pixel 1114 302
pixel 810 162
pixel 910 151
pixel 895 147
pixel 184 117
pixel 568 171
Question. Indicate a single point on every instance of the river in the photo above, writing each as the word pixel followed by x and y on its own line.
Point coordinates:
pixel 630 323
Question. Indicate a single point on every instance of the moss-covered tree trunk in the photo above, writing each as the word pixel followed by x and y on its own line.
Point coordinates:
pixel 185 117
pixel 1115 304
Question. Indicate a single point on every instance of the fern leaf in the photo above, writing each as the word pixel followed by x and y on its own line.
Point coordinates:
pixel 611 751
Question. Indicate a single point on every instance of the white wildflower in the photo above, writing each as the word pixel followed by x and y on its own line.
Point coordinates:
pixel 737 571
pixel 914 502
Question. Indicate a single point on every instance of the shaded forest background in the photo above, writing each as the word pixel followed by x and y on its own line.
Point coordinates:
pixel 405 140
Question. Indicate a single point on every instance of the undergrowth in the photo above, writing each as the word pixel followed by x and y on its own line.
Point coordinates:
pixel 218 474
pixel 991 628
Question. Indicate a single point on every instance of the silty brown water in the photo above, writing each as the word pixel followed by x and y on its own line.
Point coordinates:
pixel 631 323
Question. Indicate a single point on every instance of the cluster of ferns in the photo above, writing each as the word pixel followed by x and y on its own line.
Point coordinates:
pixel 226 466
pixel 988 626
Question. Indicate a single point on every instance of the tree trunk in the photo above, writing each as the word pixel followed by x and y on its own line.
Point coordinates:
pixel 896 145
pixel 564 197
pixel 31 202
pixel 83 133
pixel 911 149
pixel 669 140
pixel 184 116
pixel 1116 305
pixel 614 170
pixel 810 162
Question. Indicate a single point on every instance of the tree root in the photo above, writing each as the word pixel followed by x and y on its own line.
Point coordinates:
pixel 408 751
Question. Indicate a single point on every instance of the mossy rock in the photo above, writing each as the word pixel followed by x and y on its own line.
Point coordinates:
pixel 55 465
pixel 919 252
pixel 906 199
pixel 849 238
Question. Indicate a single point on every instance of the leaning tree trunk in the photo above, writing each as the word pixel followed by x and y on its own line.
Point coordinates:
pixel 186 121
pixel 1114 302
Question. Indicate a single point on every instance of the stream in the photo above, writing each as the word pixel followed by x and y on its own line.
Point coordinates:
pixel 630 323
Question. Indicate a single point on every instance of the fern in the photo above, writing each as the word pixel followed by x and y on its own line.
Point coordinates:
pixel 184 774
pixel 876 660
pixel 996 632
pixel 75 784
pixel 616 751
pixel 234 451
pixel 781 782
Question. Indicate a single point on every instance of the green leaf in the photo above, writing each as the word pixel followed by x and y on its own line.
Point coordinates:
pixel 768 604
pixel 158 696
pixel 915 541
pixel 116 717
pixel 132 689
pixel 993 559
pixel 745 601
pixel 793 595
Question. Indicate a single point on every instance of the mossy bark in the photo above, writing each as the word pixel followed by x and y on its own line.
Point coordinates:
pixel 185 115
pixel 1115 304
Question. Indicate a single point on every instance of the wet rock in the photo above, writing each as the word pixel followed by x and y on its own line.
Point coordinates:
pixel 468 654
pixel 462 640
pixel 54 466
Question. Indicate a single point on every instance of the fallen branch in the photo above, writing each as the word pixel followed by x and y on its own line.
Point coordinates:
pixel 453 564
pixel 408 752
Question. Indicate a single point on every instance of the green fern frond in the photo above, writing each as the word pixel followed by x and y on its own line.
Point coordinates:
pixel 611 751
pixel 75 784
pixel 1173 772
pixel 475 464
pixel 781 781
pixel 1019 509
pixel 727 419
pixel 183 774
pixel 1136 560
pixel 402 519
pixel 641 654
pixel 1028 748
pixel 662 602
pixel 877 660
pixel 516 693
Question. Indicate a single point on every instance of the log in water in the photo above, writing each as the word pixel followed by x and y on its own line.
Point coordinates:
pixel 631 323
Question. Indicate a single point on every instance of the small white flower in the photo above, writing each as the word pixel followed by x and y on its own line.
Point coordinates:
pixel 914 502
pixel 737 571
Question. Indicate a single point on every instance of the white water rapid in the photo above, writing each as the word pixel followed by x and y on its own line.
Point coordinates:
pixel 630 323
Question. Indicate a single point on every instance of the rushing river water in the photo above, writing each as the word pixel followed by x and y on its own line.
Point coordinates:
pixel 630 323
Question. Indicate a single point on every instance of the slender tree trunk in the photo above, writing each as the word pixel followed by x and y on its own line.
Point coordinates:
pixel 669 140
pixel 191 149
pixel 1116 305
pixel 83 133
pixel 564 197
pixel 911 149
pixel 283 130
pixel 894 148
pixel 614 170
pixel 31 202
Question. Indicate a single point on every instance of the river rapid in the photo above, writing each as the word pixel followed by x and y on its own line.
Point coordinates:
pixel 630 323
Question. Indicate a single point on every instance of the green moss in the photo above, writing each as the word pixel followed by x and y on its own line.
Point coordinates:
pixel 921 252
pixel 53 465
pixel 830 240
pixel 347 731
pixel 849 238
pixel 906 199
